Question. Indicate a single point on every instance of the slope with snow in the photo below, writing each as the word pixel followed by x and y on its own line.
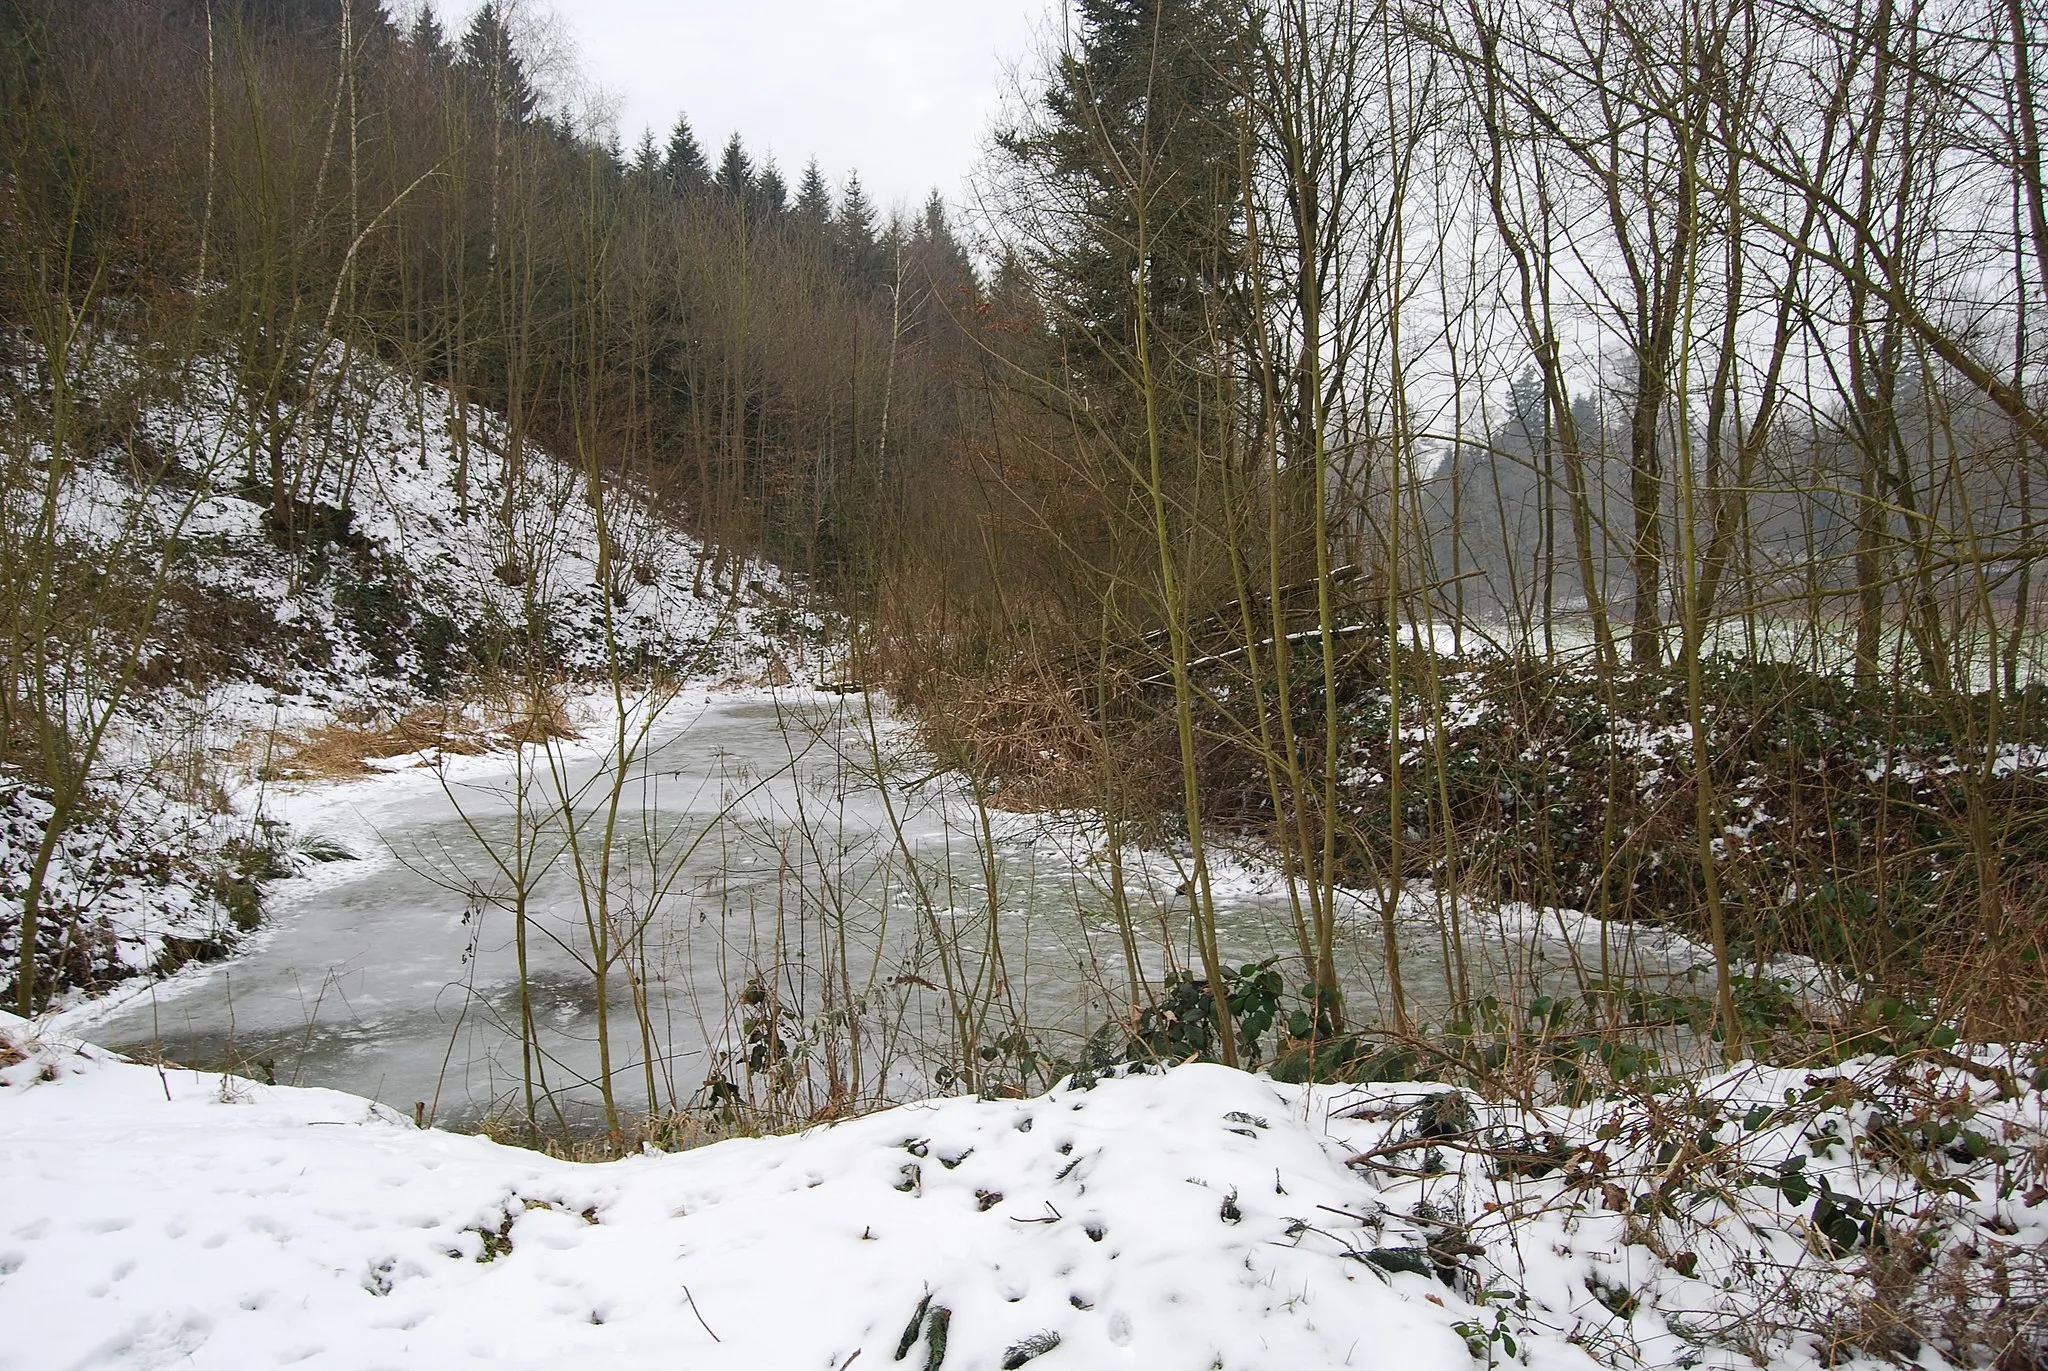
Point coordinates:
pixel 427 542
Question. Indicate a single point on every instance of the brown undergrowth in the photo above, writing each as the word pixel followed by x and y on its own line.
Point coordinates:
pixel 1032 740
pixel 667 1130
pixel 1860 827
pixel 485 717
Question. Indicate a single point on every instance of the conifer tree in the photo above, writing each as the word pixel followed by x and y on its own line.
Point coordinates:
pixel 429 41
pixel 939 280
pixel 812 212
pixel 1139 116
pixel 684 164
pixel 647 159
pixel 935 232
pixel 490 56
pixel 771 194
pixel 889 248
pixel 853 233
pixel 736 170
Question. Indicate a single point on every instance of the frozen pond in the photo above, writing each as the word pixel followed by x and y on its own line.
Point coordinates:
pixel 771 886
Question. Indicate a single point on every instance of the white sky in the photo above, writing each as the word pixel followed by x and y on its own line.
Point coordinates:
pixel 904 91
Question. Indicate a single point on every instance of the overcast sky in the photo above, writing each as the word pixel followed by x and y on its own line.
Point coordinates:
pixel 901 90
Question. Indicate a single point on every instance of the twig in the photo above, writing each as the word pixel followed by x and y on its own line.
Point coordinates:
pixel 707 1327
pixel 1389 1214
pixel 1993 1075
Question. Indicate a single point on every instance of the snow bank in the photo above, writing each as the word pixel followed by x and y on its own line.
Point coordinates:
pixel 1194 1218
pixel 159 1218
pixel 427 534
pixel 137 882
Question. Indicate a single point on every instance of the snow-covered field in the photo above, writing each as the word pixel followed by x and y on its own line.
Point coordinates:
pixel 1195 1218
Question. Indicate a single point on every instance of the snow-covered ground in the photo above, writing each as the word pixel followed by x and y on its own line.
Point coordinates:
pixel 430 539
pixel 125 888
pixel 1194 1218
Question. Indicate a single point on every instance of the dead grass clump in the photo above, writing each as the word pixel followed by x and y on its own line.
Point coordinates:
pixel 1881 1321
pixel 329 752
pixel 1983 1302
pixel 1024 731
pixel 1994 978
pixel 519 713
pixel 679 1130
pixel 486 718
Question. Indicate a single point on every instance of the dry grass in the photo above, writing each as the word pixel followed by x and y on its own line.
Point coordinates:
pixel 485 718
pixel 1994 979
pixel 1029 736
pixel 678 1131
pixel 1986 1301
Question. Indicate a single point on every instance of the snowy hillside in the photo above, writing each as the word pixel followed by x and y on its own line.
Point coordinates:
pixel 429 581
pixel 424 547
pixel 1198 1218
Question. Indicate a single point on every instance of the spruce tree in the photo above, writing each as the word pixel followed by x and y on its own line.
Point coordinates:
pixel 1140 115
pixel 647 159
pixel 684 164
pixel 939 280
pixel 812 212
pixel 771 193
pixel 493 61
pixel 889 248
pixel 935 233
pixel 429 41
pixel 736 170
pixel 945 261
pixel 853 234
